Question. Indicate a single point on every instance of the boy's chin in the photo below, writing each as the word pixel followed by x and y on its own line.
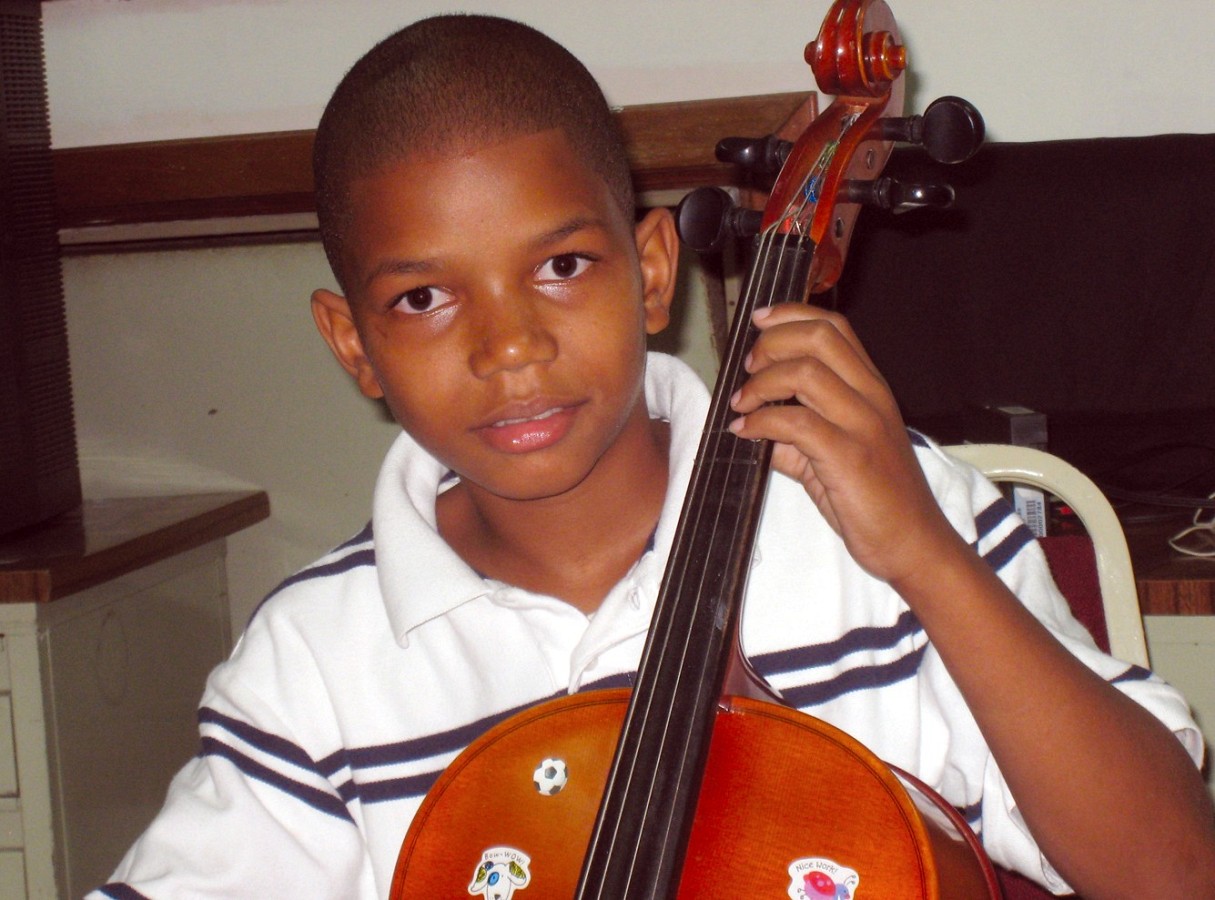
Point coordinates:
pixel 528 483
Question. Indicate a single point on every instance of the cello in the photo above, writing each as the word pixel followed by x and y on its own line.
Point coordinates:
pixel 699 783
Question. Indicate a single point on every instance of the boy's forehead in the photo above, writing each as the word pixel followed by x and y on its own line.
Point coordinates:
pixel 521 183
pixel 530 169
pixel 504 150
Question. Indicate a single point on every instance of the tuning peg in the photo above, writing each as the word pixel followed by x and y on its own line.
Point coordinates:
pixel 886 193
pixel 950 130
pixel 707 217
pixel 761 156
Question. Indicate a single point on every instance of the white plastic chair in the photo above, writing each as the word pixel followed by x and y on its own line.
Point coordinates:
pixel 1115 575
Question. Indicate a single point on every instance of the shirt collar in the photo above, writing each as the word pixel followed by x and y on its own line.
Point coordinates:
pixel 422 578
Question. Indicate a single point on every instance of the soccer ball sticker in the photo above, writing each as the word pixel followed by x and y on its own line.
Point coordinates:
pixel 550 776
pixel 821 879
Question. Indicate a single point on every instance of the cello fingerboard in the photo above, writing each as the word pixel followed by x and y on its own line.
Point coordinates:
pixel 636 848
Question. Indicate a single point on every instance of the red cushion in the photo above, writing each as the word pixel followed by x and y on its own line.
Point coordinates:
pixel 1074 566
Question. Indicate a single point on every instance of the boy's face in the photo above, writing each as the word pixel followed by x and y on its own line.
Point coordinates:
pixel 499 302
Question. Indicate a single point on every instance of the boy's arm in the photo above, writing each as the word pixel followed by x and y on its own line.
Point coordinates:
pixel 1141 814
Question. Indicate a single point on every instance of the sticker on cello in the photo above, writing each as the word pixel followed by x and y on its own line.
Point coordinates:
pixel 551 776
pixel 501 872
pixel 821 879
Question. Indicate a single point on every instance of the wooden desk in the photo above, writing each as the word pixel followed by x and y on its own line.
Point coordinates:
pixel 1170 584
pixel 107 538
pixel 110 620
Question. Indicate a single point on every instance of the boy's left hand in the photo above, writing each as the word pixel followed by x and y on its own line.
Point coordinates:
pixel 842 437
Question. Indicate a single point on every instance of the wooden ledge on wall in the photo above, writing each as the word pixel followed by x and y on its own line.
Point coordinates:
pixel 258 187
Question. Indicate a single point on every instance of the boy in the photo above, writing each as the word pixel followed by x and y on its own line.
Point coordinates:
pixel 496 292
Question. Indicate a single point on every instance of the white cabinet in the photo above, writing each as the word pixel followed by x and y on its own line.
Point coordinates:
pixel 97 713
pixel 1182 649
pixel 99 689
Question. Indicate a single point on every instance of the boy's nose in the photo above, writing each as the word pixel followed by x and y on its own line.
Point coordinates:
pixel 511 336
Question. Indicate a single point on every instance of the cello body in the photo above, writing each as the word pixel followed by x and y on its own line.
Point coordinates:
pixel 787 802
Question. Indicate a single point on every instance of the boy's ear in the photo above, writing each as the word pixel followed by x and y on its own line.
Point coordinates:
pixel 658 256
pixel 331 312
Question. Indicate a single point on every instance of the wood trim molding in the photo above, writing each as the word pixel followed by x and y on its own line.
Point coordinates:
pixel 235 177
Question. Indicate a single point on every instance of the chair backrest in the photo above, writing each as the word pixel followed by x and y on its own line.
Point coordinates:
pixel 1119 598
pixel 1094 572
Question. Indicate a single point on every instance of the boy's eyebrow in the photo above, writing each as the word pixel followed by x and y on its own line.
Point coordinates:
pixel 573 226
pixel 399 267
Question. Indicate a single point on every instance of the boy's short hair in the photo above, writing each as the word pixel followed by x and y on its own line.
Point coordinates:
pixel 448 84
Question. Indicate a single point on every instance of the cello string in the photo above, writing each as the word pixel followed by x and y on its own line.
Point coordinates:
pixel 732 370
pixel 761 288
pixel 727 523
pixel 676 589
pixel 763 285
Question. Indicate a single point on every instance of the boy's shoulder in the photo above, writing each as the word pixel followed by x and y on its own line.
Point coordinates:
pixel 350 563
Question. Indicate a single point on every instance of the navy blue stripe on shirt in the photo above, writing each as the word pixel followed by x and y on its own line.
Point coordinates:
pixel 453 740
pixel 390 789
pixel 121 892
pixel 1000 555
pixel 355 560
pixel 869 637
pixel 357 759
pixel 861 678
pixel 384 790
pixel 1133 673
pixel 1009 546
pixel 317 799
pixel 989 519
pixel 364 536
pixel 268 743
pixel 444 742
pixel 972 814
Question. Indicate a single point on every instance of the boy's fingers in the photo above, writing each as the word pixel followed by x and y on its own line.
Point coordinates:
pixel 797 426
pixel 792 332
pixel 837 386
pixel 809 386
pixel 831 326
pixel 817 429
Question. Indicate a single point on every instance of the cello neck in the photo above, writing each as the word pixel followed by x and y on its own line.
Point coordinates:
pixel 636 849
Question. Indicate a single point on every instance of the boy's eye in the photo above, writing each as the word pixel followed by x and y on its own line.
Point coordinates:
pixel 422 299
pixel 563 267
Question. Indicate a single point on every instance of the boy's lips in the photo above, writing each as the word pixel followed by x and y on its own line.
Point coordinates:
pixel 533 426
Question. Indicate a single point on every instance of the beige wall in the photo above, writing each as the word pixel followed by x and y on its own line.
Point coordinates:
pixel 154 69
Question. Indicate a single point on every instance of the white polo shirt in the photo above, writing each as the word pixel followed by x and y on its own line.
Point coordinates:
pixel 360 678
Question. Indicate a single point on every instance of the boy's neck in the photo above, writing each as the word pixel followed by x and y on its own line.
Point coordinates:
pixel 575 546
